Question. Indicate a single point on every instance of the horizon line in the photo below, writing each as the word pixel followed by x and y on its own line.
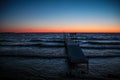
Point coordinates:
pixel 61 32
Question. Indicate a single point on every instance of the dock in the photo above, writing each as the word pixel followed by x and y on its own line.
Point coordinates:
pixel 76 57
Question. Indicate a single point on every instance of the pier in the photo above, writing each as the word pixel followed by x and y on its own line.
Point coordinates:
pixel 76 57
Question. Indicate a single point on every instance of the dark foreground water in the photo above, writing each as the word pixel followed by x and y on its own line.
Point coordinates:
pixel 41 56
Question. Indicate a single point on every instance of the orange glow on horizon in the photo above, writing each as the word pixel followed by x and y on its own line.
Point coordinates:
pixel 115 30
pixel 85 28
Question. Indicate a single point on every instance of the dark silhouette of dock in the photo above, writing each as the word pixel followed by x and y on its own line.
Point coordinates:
pixel 76 57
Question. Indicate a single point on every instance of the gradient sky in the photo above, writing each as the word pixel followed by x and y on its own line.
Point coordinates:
pixel 60 16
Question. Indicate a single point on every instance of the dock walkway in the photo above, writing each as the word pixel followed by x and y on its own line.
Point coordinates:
pixel 75 54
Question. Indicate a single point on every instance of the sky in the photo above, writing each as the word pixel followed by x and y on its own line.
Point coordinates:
pixel 60 16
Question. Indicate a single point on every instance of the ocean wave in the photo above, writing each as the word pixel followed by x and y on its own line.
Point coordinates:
pixel 35 40
pixel 52 57
pixel 104 42
pixel 57 46
pixel 47 40
pixel 6 40
pixel 33 44
pixel 33 56
pixel 100 47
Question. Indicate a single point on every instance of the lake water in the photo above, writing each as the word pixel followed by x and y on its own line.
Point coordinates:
pixel 42 55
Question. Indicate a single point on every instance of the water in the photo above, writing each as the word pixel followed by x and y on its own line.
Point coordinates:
pixel 50 43
pixel 42 55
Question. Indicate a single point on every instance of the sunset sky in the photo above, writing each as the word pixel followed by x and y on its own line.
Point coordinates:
pixel 60 16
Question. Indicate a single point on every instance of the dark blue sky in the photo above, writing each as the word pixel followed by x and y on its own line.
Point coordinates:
pixel 55 13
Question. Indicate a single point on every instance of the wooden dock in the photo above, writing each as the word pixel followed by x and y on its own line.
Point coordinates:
pixel 76 57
